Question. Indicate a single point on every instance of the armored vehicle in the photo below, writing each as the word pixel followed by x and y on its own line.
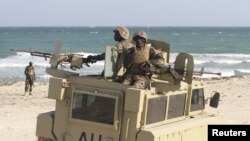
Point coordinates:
pixel 171 107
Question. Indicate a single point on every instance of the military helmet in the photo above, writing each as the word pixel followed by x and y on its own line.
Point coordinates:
pixel 123 31
pixel 142 34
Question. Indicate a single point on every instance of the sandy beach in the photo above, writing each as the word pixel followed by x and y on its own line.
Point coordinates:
pixel 235 97
pixel 18 113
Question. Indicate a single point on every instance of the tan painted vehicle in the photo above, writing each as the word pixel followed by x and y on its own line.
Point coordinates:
pixel 171 107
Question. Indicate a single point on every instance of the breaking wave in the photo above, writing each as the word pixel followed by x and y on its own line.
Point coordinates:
pixel 12 67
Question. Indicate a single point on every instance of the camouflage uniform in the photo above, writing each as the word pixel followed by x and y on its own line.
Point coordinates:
pixel 30 77
pixel 136 58
pixel 123 45
pixel 122 33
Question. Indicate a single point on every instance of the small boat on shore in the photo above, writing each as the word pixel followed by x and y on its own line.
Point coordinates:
pixel 240 73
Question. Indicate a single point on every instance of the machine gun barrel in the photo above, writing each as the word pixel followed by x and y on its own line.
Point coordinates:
pixel 204 72
pixel 199 73
pixel 75 60
pixel 34 53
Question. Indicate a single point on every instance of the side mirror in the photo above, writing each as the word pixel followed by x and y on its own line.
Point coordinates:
pixel 214 101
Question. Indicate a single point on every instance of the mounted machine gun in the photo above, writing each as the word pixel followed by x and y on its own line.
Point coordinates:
pixel 75 60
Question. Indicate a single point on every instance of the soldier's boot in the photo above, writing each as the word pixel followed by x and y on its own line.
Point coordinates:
pixel 30 93
pixel 25 93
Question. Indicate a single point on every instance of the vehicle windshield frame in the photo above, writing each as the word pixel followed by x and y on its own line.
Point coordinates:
pixel 96 94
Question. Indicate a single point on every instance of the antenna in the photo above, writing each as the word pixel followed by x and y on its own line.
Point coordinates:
pixel 55 53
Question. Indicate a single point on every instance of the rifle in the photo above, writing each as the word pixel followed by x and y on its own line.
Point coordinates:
pixel 76 60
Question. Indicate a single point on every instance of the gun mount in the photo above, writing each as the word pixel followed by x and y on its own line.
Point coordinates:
pixel 91 108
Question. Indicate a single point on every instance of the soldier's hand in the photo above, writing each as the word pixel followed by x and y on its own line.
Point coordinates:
pixel 145 66
pixel 89 58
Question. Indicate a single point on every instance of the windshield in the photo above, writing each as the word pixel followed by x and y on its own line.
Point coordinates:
pixel 197 101
pixel 93 108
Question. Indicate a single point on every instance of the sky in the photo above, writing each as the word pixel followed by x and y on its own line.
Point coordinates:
pixel 124 12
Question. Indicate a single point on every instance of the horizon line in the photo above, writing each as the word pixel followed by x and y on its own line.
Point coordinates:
pixel 128 26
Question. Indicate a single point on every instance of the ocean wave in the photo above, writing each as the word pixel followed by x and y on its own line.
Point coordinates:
pixel 22 59
pixel 45 76
pixel 199 62
pixel 226 59
pixel 13 66
pixel 93 32
pixel 175 34
pixel 226 62
pixel 222 55
pixel 221 59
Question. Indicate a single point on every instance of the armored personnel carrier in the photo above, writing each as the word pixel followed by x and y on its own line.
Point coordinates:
pixel 171 107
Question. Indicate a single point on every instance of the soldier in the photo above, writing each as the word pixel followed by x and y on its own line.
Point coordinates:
pixel 121 36
pixel 30 77
pixel 138 59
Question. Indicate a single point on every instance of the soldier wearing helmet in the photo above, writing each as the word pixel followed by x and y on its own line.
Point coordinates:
pixel 122 32
pixel 121 35
pixel 30 77
pixel 138 58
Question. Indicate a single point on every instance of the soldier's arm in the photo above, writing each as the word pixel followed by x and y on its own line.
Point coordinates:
pixel 25 71
pixel 127 56
pixel 99 57
pixel 95 58
pixel 119 48
pixel 34 73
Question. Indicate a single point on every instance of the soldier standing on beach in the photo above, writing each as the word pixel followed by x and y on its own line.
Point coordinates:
pixel 30 77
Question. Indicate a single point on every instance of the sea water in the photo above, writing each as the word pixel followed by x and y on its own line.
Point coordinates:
pixel 218 49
